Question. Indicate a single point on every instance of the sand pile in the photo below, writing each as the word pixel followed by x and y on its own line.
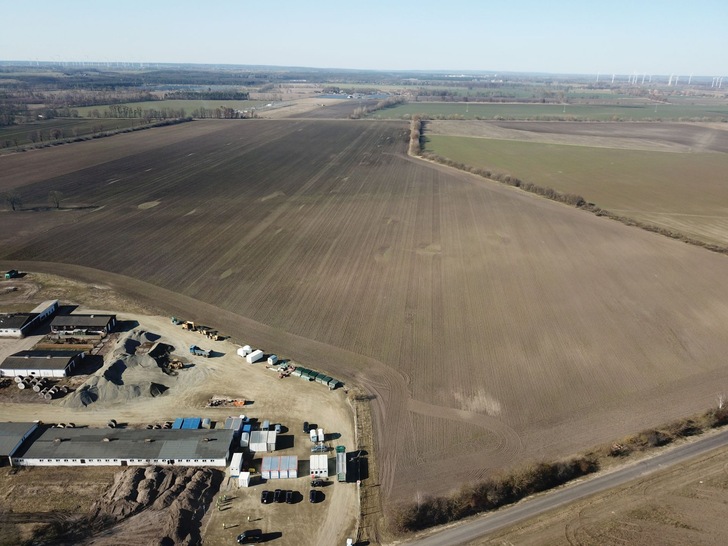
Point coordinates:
pixel 126 375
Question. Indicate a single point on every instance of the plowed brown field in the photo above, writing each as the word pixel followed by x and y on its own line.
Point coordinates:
pixel 491 326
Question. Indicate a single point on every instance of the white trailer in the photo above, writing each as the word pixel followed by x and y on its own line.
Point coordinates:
pixel 254 356
pixel 235 464
pixel 319 466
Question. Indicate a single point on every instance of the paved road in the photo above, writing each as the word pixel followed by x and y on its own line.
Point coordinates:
pixel 462 534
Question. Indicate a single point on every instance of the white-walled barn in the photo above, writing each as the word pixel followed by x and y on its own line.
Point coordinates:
pixel 126 447
pixel 40 363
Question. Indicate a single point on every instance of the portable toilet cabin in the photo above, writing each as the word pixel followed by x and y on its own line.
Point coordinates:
pixel 320 434
pixel 244 479
pixel 272 359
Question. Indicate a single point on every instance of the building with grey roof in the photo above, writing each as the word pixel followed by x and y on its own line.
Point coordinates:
pixel 83 324
pixel 40 363
pixel 12 435
pixel 19 324
pixel 126 447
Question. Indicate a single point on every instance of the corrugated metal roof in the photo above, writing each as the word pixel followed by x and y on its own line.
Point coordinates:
pixel 11 434
pixel 83 321
pixel 87 443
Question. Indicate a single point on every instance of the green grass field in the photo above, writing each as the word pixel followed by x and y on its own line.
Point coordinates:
pixel 672 112
pixel 685 192
pixel 188 105
pixel 71 127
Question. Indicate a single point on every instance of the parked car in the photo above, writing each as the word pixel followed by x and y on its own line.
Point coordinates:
pixel 250 537
pixel 278 495
pixel 265 497
pixel 305 427
pixel 317 482
pixel 313 496
pixel 289 497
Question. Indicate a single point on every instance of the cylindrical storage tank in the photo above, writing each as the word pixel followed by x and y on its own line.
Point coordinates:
pixel 71 425
pixel 111 423
pixel 48 396
pixel 41 391
pixel 248 349
pixel 21 386
pixel 18 378
pixel 37 387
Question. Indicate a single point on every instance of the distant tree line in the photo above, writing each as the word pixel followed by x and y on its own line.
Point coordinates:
pixel 208 95
pixel 362 111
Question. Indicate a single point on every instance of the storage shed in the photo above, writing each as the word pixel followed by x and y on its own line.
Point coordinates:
pixel 83 325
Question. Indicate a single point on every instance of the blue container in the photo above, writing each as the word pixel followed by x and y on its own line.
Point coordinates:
pixel 177 423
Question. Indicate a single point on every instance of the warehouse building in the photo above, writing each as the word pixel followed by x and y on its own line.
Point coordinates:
pixel 20 324
pixel 41 363
pixel 126 447
pixel 83 325
pixel 12 436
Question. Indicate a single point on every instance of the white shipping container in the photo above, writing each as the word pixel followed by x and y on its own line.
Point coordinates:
pixel 271 443
pixel 244 479
pixel 320 434
pixel 245 439
pixel 254 356
pixel 235 464
pixel 314 436
pixel 272 359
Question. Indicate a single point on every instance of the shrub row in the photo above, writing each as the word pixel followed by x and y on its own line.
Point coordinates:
pixel 384 103
pixel 100 134
pixel 507 488
pixel 487 495
pixel 573 200
pixel 415 139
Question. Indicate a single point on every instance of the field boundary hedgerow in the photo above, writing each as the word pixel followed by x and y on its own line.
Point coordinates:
pixel 101 134
pixel 417 128
pixel 512 486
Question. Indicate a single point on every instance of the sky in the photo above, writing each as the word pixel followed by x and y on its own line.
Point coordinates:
pixel 554 36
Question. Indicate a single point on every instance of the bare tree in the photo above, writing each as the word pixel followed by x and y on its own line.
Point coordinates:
pixel 54 197
pixel 13 199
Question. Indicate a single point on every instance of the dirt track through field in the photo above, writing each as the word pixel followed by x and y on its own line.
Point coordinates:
pixel 490 326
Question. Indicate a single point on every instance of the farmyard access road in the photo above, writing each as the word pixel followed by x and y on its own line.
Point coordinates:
pixel 466 532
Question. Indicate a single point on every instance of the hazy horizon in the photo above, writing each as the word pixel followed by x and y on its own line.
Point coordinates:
pixel 461 36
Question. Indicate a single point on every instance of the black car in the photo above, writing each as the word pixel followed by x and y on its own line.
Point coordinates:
pixel 317 482
pixel 278 495
pixel 305 427
pixel 313 496
pixel 265 497
pixel 250 537
pixel 289 497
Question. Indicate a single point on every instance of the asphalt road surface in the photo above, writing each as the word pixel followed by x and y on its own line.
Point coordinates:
pixel 462 534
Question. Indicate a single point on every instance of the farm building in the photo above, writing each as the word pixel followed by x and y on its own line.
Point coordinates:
pixel 40 363
pixel 126 447
pixel 262 441
pixel 19 324
pixel 319 466
pixel 84 325
pixel 12 435
pixel 282 467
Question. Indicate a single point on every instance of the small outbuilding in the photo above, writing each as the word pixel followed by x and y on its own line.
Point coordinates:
pixel 18 325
